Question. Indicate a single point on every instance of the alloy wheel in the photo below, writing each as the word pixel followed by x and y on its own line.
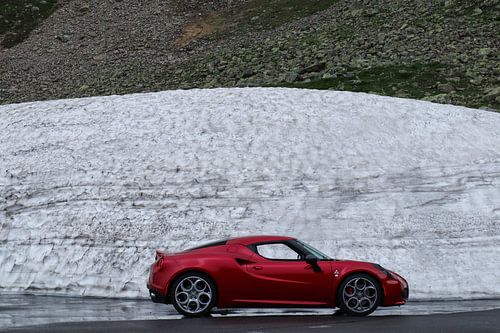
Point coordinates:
pixel 360 295
pixel 193 294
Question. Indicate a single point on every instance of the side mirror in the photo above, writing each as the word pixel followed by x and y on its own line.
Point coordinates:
pixel 313 261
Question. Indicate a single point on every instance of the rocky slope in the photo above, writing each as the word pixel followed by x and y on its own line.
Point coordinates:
pixel 443 51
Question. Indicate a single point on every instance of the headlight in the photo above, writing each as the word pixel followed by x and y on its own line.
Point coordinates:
pixel 383 270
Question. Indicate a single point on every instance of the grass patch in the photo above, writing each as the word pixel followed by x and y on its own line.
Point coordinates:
pixel 19 17
pixel 415 80
pixel 474 11
pixel 256 15
pixel 270 14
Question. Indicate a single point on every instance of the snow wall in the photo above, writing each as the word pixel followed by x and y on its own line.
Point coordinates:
pixel 90 187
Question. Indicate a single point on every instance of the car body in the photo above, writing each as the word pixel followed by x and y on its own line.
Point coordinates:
pixel 270 271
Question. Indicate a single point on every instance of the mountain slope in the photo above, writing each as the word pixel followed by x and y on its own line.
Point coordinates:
pixel 442 51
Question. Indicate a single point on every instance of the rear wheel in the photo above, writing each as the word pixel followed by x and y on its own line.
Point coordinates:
pixel 193 294
pixel 359 295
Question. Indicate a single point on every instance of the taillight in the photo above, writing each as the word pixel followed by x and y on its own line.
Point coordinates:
pixel 159 255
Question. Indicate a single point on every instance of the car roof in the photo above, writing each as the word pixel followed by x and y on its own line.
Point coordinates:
pixel 247 240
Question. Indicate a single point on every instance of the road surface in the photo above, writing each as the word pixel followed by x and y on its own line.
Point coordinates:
pixel 26 314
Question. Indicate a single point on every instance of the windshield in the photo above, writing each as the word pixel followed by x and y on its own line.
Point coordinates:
pixel 317 253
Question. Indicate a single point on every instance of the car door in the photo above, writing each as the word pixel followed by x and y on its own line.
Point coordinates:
pixel 281 276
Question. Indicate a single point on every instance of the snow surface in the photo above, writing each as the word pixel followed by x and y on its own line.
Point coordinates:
pixel 90 187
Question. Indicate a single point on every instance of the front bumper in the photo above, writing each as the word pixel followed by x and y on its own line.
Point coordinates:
pixel 396 290
pixel 405 293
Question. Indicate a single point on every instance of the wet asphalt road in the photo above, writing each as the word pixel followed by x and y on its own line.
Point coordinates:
pixel 29 313
pixel 482 321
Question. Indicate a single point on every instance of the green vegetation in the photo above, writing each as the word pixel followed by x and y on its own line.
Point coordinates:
pixel 414 80
pixel 256 15
pixel 486 11
pixel 270 14
pixel 19 17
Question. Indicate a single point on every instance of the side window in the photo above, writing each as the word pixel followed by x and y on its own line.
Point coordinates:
pixel 277 251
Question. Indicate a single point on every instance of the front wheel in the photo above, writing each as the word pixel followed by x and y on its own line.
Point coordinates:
pixel 359 295
pixel 193 294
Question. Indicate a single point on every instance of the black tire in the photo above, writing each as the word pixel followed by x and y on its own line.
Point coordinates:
pixel 182 297
pixel 363 300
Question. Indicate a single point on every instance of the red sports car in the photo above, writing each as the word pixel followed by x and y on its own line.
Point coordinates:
pixel 270 271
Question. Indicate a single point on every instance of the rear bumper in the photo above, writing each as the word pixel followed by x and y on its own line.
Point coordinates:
pixel 156 296
pixel 155 291
pixel 160 274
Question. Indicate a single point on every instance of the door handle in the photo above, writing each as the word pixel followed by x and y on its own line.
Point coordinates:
pixel 258 268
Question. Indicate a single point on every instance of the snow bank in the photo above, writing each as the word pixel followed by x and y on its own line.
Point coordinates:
pixel 90 187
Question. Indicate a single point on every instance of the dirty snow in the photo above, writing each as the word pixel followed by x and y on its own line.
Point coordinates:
pixel 90 187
